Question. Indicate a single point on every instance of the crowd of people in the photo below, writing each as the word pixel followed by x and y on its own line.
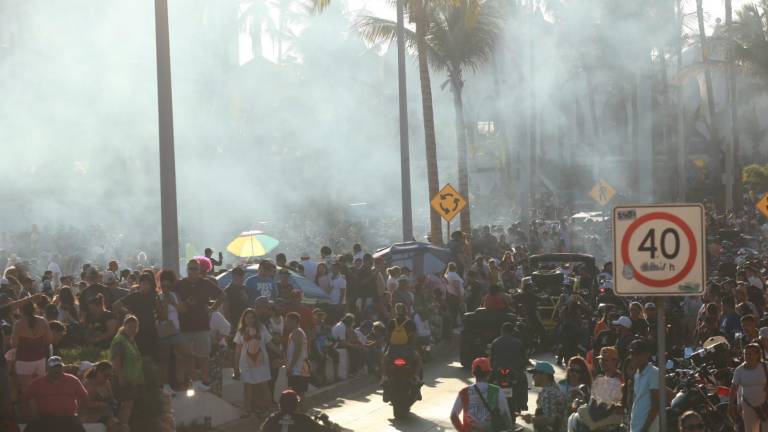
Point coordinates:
pixel 135 317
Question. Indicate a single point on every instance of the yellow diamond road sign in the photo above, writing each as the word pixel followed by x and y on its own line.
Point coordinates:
pixel 602 192
pixel 762 205
pixel 448 202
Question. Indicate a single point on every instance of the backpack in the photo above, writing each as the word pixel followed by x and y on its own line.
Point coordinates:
pixel 399 335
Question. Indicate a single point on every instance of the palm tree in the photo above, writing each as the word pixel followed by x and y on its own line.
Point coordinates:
pixel 453 44
pixel 417 11
pixel 714 164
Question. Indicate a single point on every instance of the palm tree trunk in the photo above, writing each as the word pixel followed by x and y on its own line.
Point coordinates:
pixel 430 140
pixel 682 181
pixel 714 164
pixel 461 146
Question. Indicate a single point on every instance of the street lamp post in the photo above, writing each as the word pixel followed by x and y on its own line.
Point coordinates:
pixel 169 221
pixel 405 159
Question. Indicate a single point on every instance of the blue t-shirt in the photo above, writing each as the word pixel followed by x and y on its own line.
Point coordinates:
pixel 258 286
pixel 645 381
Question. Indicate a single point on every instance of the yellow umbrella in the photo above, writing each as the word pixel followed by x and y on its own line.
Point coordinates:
pixel 252 244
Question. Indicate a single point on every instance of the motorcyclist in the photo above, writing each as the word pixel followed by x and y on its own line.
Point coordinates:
pixel 288 420
pixel 605 397
pixel 402 341
pixel 507 352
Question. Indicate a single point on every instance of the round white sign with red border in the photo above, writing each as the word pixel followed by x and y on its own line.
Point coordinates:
pixel 658 250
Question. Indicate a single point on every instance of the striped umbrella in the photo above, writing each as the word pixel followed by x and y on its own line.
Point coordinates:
pixel 252 244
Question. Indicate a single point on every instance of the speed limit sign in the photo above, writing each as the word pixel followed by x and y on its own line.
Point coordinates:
pixel 658 250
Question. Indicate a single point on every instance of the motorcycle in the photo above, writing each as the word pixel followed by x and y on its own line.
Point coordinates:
pixel 400 389
pixel 510 382
pixel 692 394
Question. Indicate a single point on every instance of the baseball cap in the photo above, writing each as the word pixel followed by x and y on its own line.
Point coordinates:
pixel 639 346
pixel 624 321
pixel 543 368
pixel 481 363
pixel 55 361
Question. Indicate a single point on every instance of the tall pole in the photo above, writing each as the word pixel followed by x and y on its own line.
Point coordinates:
pixel 169 221
pixel 661 357
pixel 730 151
pixel 405 157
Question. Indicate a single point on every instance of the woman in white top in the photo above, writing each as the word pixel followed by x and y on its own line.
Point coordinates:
pixel 748 391
pixel 253 359
pixel 322 278
pixel 455 294
pixel 393 274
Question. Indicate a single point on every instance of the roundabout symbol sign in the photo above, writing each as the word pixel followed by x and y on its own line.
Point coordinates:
pixel 659 250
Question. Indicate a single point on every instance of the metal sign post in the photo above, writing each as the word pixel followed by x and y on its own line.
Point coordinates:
pixel 661 357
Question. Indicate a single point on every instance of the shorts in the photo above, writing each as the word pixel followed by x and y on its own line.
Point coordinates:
pixel 199 343
pixel 299 384
pixel 36 367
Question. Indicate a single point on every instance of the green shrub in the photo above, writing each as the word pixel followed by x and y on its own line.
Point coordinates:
pixel 84 353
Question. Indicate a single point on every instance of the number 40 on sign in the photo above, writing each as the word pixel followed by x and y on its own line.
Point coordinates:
pixel 659 250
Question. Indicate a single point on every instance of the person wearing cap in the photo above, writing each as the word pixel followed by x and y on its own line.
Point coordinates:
pixel 287 419
pixel 645 401
pixel 551 403
pixel 623 327
pixel 605 391
pixel 55 399
pixel 472 409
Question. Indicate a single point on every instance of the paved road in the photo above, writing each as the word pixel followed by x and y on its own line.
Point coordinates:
pixel 364 409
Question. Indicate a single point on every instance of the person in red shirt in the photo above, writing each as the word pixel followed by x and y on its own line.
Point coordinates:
pixel 55 400
pixel 495 299
pixel 307 322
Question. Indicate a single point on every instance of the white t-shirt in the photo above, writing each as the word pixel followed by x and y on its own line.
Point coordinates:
pixel 479 418
pixel 173 313
pixel 339 331
pixel 338 288
pixel 219 327
pixel 455 282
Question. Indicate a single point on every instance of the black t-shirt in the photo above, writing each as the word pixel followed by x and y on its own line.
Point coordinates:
pixel 295 422
pixel 237 303
pixel 144 307
pixel 92 291
pixel 528 302
pixel 366 283
pixel 640 327
pixel 507 352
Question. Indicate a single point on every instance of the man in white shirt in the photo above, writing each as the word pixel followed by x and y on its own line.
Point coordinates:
pixel 357 252
pixel 310 268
